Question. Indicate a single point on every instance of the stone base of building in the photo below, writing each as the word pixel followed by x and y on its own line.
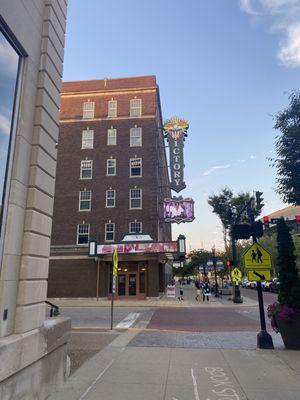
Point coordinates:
pixel 138 277
pixel 34 364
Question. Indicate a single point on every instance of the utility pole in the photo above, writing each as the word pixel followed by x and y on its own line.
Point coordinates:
pixel 237 293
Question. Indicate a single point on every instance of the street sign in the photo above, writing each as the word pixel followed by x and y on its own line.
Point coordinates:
pixel 236 275
pixel 259 275
pixel 257 257
pixel 115 262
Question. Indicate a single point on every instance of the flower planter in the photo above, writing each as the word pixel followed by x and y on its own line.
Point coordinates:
pixel 289 329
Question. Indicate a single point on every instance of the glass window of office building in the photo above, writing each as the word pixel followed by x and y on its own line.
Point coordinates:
pixel 9 67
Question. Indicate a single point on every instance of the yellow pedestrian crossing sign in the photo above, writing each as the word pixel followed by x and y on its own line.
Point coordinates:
pixel 236 275
pixel 115 262
pixel 257 257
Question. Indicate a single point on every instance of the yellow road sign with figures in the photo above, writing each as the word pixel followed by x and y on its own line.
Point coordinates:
pixel 115 262
pixel 236 275
pixel 257 257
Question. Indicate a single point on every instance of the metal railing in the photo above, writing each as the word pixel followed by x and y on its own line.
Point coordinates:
pixel 54 310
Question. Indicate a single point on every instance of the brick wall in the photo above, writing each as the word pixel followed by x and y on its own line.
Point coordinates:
pixel 153 183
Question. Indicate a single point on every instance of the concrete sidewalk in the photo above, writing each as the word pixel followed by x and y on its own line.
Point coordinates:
pixel 163 301
pixel 123 371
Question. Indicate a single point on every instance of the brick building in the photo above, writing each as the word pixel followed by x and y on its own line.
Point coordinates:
pixel 111 180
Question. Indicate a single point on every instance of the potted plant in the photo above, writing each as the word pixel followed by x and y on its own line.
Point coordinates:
pixel 285 314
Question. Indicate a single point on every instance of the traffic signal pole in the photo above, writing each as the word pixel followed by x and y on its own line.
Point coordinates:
pixel 237 293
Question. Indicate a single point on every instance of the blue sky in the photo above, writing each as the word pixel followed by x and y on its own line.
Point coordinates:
pixel 226 66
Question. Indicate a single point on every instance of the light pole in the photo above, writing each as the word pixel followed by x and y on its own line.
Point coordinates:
pixel 213 250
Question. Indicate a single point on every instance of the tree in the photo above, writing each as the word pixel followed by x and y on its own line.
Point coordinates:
pixel 289 291
pixel 287 146
pixel 231 210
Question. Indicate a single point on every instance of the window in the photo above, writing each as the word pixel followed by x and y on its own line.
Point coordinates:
pixel 109 232
pixel 87 141
pixel 83 231
pixel 85 200
pixel 135 167
pixel 135 227
pixel 111 137
pixel 111 167
pixel 112 108
pixel 110 198
pixel 135 198
pixel 10 68
pixel 135 107
pixel 86 169
pixel 88 110
pixel 135 137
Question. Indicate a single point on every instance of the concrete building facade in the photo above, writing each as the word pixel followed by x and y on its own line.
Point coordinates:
pixel 33 350
pixel 112 177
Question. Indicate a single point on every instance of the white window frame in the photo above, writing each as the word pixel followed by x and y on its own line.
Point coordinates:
pixel 83 233
pixel 136 137
pixel 85 196
pixel 134 231
pixel 110 198
pixel 136 160
pixel 88 110
pixel 87 143
pixel 113 231
pixel 112 108
pixel 82 168
pixel 111 137
pixel 115 166
pixel 132 198
pixel 136 108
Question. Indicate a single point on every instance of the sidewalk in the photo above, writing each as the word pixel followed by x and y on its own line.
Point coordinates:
pixel 163 301
pixel 123 371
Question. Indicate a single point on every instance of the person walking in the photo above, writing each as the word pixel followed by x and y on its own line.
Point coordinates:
pixel 198 292
pixel 206 292
pixel 180 297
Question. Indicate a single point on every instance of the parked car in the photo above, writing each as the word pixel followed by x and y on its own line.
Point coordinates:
pixel 245 283
pixel 266 285
pixel 253 285
pixel 274 287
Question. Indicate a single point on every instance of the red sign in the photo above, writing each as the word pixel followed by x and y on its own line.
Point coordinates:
pixel 126 248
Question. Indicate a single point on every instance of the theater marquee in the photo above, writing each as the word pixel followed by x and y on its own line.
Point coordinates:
pixel 175 131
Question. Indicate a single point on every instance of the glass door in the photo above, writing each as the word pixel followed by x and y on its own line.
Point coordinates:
pixel 121 284
pixel 132 285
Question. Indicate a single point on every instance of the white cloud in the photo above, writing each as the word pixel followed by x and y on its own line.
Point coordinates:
pixel 214 168
pixel 289 54
pixel 4 125
pixel 281 16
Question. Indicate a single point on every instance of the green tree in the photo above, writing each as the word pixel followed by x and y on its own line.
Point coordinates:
pixel 287 146
pixel 289 291
pixel 231 210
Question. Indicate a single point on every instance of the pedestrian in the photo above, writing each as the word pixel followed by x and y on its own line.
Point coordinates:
pixel 180 298
pixel 198 292
pixel 206 292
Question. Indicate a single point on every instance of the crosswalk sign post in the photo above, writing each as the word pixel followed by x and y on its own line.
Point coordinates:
pixel 115 261
pixel 258 263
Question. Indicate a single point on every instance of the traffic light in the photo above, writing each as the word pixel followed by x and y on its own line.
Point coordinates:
pixel 266 222
pixel 258 201
pixel 229 264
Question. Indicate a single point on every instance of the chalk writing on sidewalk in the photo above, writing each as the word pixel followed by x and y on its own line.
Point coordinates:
pixel 224 388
